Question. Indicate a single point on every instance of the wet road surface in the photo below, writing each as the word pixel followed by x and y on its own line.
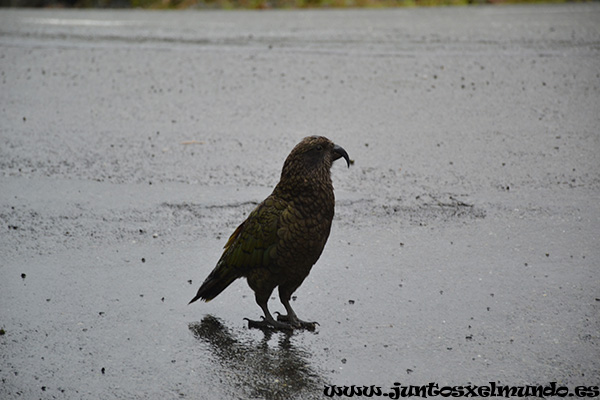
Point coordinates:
pixel 465 243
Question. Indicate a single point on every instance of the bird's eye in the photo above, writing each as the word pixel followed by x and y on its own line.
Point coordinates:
pixel 319 147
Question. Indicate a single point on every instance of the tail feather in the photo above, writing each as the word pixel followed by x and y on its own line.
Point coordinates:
pixel 213 286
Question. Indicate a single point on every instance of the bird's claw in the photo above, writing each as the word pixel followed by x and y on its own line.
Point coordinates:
pixel 265 324
pixel 309 326
pixel 297 323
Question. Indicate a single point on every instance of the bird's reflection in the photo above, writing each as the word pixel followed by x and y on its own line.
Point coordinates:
pixel 258 369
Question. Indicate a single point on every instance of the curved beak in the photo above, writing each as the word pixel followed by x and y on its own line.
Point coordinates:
pixel 339 152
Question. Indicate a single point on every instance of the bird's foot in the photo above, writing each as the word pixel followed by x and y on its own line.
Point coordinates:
pixel 266 324
pixel 296 322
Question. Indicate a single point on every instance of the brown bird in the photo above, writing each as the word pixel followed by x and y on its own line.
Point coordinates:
pixel 280 241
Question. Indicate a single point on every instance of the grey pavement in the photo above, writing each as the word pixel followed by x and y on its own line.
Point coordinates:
pixel 465 247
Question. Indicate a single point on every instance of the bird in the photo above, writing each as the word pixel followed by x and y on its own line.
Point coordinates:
pixel 284 236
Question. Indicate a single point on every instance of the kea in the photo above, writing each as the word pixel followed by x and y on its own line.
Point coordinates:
pixel 284 236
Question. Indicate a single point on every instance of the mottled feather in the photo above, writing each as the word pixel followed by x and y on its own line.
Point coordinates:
pixel 285 234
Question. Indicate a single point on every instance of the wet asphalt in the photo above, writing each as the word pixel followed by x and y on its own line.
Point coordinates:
pixel 465 247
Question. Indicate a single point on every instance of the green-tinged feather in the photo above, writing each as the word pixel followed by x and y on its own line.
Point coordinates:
pixel 277 245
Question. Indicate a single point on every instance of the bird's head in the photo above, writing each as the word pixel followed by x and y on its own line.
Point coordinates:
pixel 314 153
pixel 307 168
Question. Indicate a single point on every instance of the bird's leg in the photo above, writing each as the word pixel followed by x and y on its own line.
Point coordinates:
pixel 291 317
pixel 268 322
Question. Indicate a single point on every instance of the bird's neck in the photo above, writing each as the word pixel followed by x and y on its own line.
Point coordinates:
pixel 308 190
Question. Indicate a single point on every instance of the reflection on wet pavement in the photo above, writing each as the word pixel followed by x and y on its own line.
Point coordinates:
pixel 259 369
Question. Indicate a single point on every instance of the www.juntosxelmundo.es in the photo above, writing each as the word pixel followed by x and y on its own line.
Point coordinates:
pixel 432 389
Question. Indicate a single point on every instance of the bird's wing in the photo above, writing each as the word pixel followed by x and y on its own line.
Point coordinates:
pixel 254 243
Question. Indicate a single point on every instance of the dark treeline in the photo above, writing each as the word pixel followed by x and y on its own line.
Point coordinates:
pixel 253 4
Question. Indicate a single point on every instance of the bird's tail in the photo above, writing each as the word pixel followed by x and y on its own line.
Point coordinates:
pixel 214 284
